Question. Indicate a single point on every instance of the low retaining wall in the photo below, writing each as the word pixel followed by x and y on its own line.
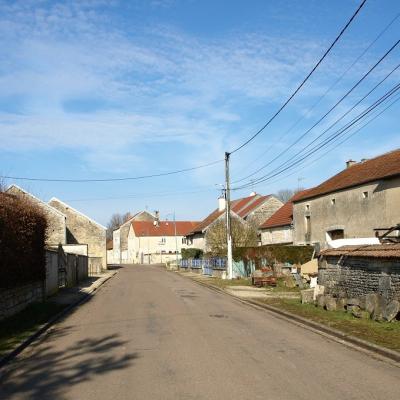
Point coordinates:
pixel 356 277
pixel 16 299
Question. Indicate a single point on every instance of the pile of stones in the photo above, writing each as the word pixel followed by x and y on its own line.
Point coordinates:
pixel 371 306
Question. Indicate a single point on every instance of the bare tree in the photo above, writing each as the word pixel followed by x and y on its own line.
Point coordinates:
pixel 116 221
pixel 284 195
pixel 244 234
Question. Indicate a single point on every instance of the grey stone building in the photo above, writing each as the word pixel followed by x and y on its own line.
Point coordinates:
pixel 80 229
pixel 254 209
pixel 352 204
pixel 56 230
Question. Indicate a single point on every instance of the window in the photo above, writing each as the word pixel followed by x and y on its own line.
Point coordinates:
pixel 308 228
pixel 183 240
pixel 333 201
pixel 335 234
pixel 307 207
pixel 365 195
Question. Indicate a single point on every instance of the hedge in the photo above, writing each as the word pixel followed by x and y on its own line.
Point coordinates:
pixel 191 253
pixel 278 254
pixel 22 242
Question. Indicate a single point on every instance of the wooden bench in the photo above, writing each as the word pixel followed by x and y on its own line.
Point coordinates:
pixel 261 281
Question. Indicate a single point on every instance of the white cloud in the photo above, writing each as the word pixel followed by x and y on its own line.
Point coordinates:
pixel 152 87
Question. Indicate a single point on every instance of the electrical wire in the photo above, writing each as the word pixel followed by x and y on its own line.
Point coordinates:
pixel 112 179
pixel 304 80
pixel 308 112
pixel 329 111
pixel 326 141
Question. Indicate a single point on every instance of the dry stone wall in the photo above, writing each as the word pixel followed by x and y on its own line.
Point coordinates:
pixel 356 277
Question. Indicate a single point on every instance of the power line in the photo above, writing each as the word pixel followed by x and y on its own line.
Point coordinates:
pixel 308 112
pixel 326 141
pixel 112 179
pixel 340 143
pixel 304 80
pixel 330 110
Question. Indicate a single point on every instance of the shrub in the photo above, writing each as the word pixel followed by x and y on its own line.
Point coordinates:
pixel 191 253
pixel 22 241
pixel 278 253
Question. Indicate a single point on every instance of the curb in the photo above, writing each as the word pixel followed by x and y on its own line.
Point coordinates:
pixel 336 335
pixel 8 357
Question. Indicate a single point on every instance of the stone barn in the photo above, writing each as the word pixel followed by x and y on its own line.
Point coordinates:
pixel 83 230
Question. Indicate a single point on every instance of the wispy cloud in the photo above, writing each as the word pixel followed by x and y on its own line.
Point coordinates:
pixel 82 83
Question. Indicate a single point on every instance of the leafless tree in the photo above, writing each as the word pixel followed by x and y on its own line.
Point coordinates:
pixel 244 234
pixel 284 195
pixel 116 221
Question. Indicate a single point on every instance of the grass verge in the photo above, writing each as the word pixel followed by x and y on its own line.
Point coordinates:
pixel 386 334
pixel 14 330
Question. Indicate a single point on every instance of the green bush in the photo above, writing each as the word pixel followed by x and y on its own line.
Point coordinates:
pixel 192 253
pixel 22 242
pixel 278 254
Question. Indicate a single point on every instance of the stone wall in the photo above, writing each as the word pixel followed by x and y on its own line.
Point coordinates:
pixel 262 213
pixel 15 300
pixel 356 277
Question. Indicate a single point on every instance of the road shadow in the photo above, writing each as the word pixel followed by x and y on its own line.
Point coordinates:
pixel 49 374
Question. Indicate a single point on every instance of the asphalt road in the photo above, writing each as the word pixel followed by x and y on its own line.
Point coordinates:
pixel 151 334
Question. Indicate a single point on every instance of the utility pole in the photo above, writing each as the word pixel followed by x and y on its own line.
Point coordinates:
pixel 176 242
pixel 229 265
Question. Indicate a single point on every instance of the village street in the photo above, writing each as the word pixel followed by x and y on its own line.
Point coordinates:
pixel 151 334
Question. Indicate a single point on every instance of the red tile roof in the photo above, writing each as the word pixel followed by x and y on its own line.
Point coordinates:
pixel 165 228
pixel 374 251
pixel 385 166
pixel 242 207
pixel 284 215
pixel 244 212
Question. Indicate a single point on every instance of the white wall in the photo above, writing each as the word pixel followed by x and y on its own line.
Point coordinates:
pixel 281 234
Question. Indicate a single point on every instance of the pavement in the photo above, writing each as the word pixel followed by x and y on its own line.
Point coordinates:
pixel 151 334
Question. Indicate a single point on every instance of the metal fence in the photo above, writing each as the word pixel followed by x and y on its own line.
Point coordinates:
pixel 208 265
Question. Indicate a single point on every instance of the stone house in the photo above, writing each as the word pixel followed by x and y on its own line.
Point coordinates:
pixel 56 231
pixel 254 209
pixel 120 236
pixel 80 229
pixel 352 204
pixel 157 241
pixel 278 228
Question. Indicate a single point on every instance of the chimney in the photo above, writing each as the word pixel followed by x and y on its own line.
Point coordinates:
pixel 350 163
pixel 157 219
pixel 221 203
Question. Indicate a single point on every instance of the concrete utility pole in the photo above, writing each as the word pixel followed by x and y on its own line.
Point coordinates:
pixel 176 242
pixel 229 265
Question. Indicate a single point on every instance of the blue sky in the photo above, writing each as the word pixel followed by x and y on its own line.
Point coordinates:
pixel 106 89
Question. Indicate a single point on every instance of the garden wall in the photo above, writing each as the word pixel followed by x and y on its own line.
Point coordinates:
pixel 358 276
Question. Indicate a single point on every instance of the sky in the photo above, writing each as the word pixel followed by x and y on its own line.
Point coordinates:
pixel 116 89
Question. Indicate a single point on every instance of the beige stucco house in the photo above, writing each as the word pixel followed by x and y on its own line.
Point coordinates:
pixel 120 237
pixel 152 242
pixel 352 204
pixel 56 230
pixel 82 230
pixel 253 209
